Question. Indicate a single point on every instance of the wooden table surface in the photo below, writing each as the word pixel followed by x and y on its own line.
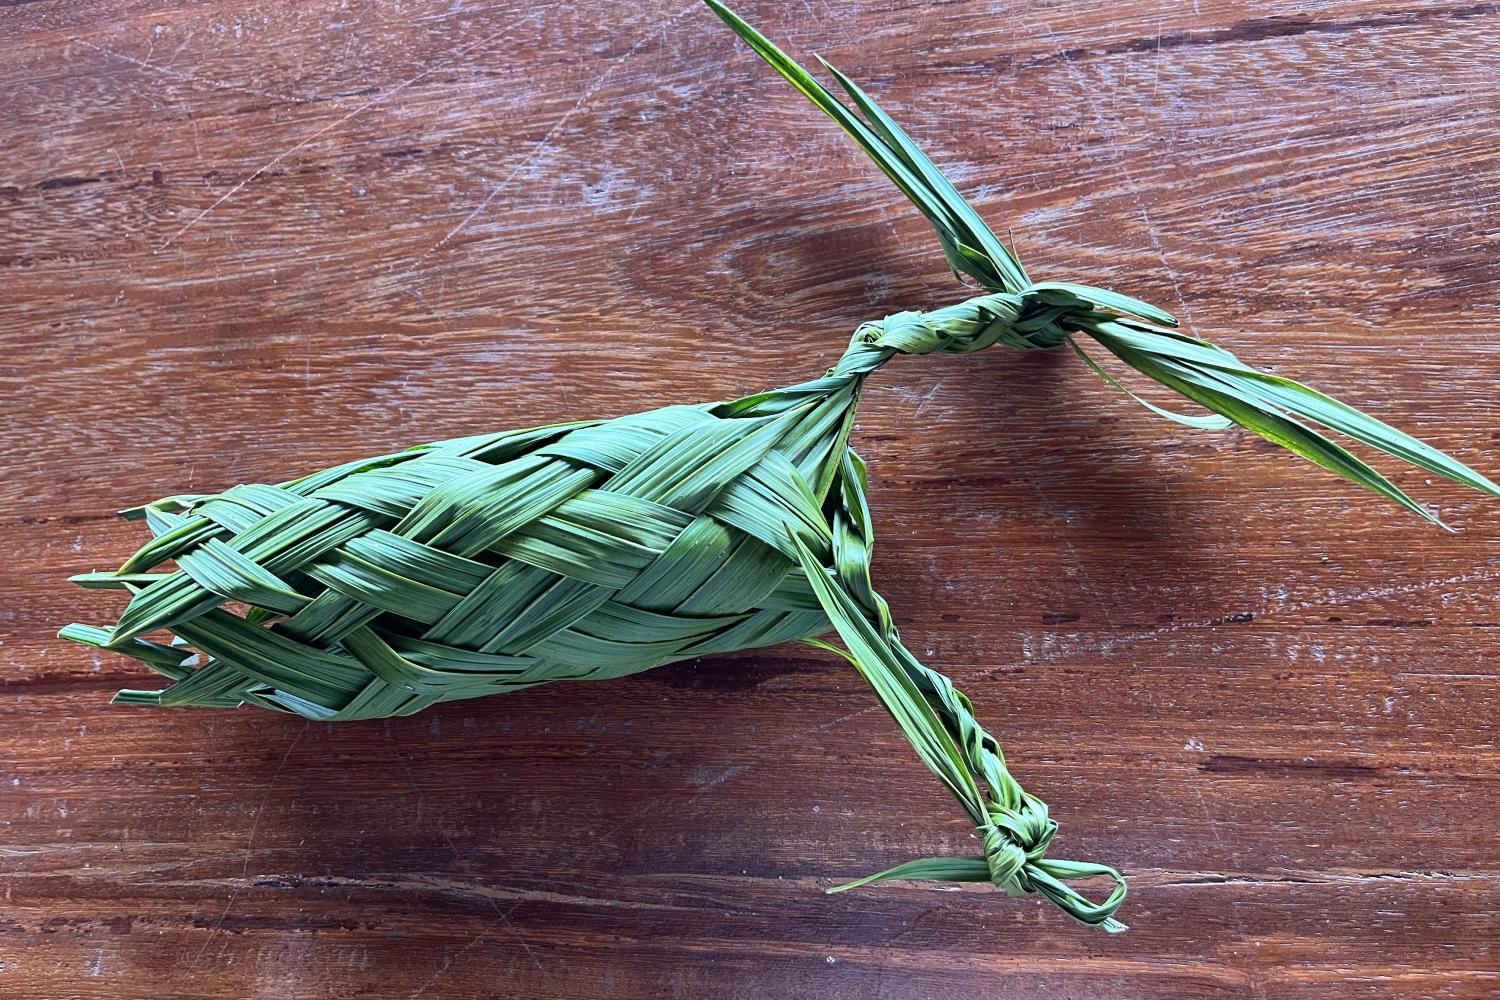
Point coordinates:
pixel 241 241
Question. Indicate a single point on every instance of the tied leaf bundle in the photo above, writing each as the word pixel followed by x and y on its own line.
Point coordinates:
pixel 596 549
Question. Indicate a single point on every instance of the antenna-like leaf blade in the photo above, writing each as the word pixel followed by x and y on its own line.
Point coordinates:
pixel 968 243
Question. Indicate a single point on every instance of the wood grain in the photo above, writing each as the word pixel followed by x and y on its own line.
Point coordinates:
pixel 242 241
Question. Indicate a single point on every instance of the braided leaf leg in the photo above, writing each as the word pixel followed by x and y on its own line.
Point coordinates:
pixel 938 720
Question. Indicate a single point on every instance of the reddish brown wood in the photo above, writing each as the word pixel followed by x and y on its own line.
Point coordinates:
pixel 240 241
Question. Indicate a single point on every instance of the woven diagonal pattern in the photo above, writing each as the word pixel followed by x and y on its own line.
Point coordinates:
pixel 483 565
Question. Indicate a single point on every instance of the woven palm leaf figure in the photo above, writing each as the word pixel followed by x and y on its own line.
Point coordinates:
pixel 592 550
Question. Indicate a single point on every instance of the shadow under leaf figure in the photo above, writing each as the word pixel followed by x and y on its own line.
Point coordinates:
pixel 592 550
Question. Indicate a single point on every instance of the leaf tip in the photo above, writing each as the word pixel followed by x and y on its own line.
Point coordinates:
pixel 129 696
pixel 86 635
pixel 1431 513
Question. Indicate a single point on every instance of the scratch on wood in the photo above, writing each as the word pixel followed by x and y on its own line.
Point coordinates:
pixel 462 51
pixel 250 844
pixel 546 140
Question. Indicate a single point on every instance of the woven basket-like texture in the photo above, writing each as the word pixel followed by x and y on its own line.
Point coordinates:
pixel 482 565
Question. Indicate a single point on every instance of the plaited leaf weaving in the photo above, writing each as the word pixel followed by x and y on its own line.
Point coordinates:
pixel 597 549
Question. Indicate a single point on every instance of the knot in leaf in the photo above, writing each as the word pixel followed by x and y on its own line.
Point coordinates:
pixel 1014 838
pixel 1027 322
